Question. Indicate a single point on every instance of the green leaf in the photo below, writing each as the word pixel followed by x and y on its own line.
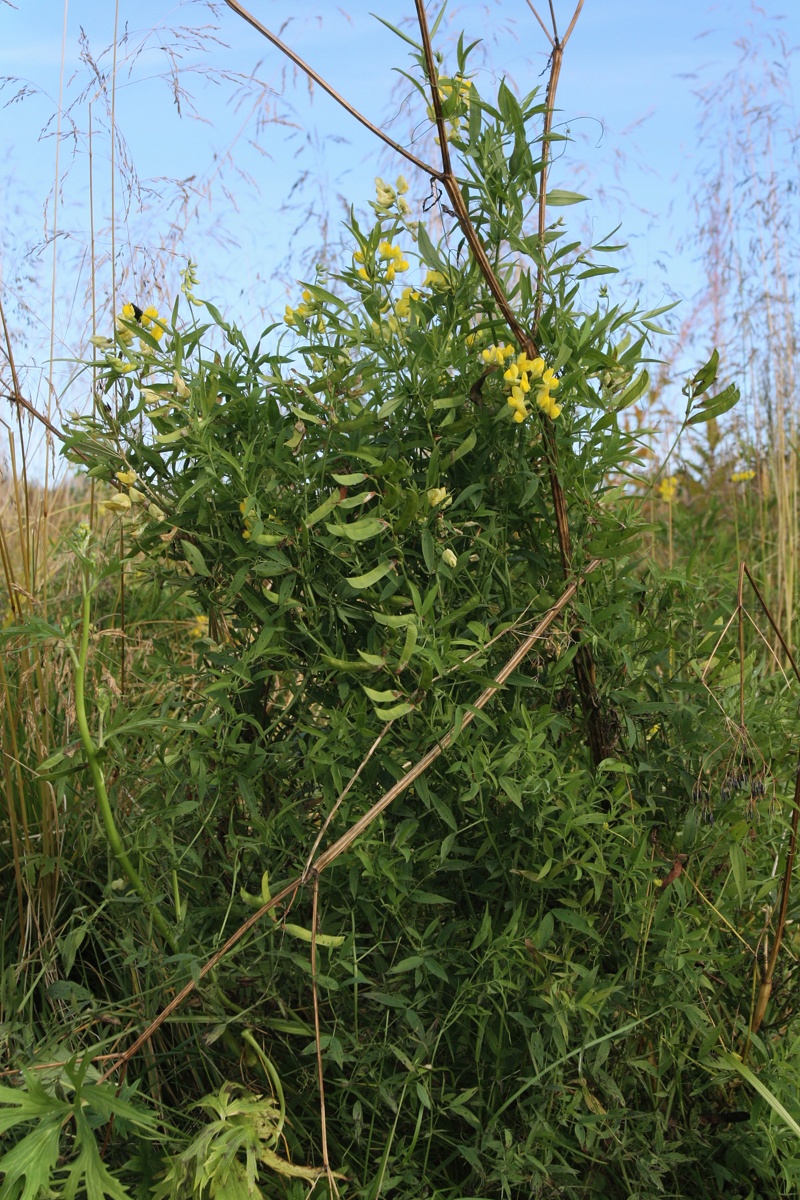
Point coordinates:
pixel 465 447
pixel 195 558
pixel 429 253
pixel 715 406
pixel 33 1159
pixel 734 1063
pixel 559 198
pixel 398 710
pixel 350 480
pixel 739 867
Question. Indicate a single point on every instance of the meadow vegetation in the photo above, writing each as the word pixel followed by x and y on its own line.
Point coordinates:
pixel 399 744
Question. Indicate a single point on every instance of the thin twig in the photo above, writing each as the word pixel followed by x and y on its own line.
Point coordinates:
pixel 545 30
pixel 572 23
pixel 740 610
pixel 323 1121
pixel 765 988
pixel 326 87
pixel 771 620
pixel 341 796
pixel 553 19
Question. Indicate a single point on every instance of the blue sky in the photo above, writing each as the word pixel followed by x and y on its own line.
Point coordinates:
pixel 627 95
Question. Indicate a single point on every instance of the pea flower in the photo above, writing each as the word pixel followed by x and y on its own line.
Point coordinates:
pixel 497 354
pixel 198 627
pixel 449 558
pixel 402 307
pixel 119 503
pixel 668 488
pixel 742 476
pixel 180 387
pixel 152 322
pixel 436 496
pixel 543 398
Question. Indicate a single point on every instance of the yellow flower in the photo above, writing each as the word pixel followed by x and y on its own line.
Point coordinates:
pixel 120 502
pixel 180 387
pixel 435 279
pixel 742 476
pixel 449 558
pixel 436 496
pixel 152 322
pixel 126 477
pixel 403 305
pixel 198 627
pixel 532 366
pixel 548 405
pixel 668 488
pixel 497 354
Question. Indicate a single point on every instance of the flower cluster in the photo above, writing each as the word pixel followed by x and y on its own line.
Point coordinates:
pixel 668 488
pixel 123 501
pixel 148 318
pixel 438 496
pixel 391 255
pixel 402 306
pixel 198 627
pixel 388 197
pixel 742 476
pixel 304 311
pixel 521 373
pixel 245 510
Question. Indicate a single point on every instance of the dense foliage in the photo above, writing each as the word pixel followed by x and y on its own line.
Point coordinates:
pixel 536 973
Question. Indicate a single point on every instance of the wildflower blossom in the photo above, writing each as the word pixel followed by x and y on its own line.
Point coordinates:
pixel 304 311
pixel 449 558
pixel 521 374
pixel 152 322
pixel 124 334
pixel 544 399
pixel 436 496
pixel 180 387
pixel 198 627
pixel 668 488
pixel 497 354
pixel 403 306
pixel 436 280
pixel 119 503
pixel 742 476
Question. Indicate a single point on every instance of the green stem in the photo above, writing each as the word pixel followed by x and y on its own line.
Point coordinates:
pixel 112 833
